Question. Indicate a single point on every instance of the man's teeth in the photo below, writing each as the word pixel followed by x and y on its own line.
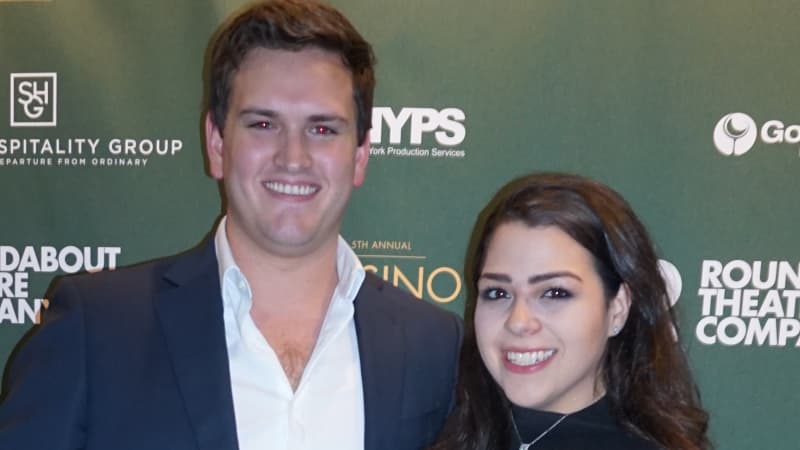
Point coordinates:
pixel 529 358
pixel 291 189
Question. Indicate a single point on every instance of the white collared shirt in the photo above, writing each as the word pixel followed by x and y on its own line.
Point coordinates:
pixel 327 409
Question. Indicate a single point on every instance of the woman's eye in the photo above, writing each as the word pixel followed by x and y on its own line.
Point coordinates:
pixel 557 293
pixel 494 294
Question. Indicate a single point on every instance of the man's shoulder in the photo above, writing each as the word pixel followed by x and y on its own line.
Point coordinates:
pixel 144 275
pixel 405 307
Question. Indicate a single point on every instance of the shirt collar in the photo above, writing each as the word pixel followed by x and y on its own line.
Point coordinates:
pixel 236 294
pixel 351 272
pixel 224 254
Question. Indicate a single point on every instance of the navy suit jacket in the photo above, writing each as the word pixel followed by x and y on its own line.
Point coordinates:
pixel 136 359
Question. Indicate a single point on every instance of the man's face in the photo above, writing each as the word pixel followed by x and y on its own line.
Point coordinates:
pixel 288 154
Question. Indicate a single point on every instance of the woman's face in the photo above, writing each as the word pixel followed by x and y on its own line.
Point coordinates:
pixel 542 319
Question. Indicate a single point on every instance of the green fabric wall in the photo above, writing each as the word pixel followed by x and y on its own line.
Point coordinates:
pixel 628 92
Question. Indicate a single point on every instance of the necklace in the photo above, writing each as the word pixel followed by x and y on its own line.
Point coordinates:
pixel 524 446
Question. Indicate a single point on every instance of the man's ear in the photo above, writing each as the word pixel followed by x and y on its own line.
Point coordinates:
pixel 361 160
pixel 618 310
pixel 214 148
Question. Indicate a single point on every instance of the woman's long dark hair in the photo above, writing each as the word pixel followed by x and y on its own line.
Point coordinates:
pixel 646 375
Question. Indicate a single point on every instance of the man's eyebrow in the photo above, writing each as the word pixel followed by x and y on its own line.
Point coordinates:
pixel 258 112
pixel 326 118
pixel 264 112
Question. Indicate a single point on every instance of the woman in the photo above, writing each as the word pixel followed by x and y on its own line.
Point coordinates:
pixel 569 340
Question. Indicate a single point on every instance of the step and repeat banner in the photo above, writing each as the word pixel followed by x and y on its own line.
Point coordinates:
pixel 689 109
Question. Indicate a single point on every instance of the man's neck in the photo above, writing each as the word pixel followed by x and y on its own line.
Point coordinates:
pixel 288 282
pixel 290 298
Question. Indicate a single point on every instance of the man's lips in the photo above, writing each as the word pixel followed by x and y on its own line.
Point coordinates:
pixel 294 189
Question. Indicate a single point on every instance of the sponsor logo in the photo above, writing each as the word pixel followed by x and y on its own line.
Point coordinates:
pixel 33 99
pixel 674 284
pixel 16 265
pixel 33 104
pixel 736 133
pixel 417 132
pixel 673 280
pixel 749 303
pixel 399 264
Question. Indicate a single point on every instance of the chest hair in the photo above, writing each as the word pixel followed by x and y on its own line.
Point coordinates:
pixel 293 342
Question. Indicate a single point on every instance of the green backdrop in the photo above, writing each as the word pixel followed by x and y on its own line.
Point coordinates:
pixel 101 159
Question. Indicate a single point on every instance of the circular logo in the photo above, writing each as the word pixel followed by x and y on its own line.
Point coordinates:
pixel 735 134
pixel 672 278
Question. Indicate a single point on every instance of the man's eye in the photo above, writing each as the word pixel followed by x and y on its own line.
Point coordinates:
pixel 261 124
pixel 494 293
pixel 557 293
pixel 322 130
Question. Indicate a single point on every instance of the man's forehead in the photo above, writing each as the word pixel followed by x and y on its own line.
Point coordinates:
pixel 301 56
pixel 317 69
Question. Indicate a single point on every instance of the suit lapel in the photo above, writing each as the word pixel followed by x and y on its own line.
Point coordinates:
pixel 191 319
pixel 382 355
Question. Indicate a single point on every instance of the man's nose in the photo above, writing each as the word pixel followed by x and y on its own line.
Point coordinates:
pixel 293 153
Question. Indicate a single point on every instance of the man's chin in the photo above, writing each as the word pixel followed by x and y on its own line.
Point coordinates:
pixel 294 245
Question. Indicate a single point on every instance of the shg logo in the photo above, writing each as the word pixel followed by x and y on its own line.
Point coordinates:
pixel 735 134
pixel 33 99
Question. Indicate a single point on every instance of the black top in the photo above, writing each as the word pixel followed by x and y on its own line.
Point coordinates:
pixel 590 428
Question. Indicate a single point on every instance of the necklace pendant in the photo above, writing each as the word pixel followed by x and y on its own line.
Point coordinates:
pixel 524 446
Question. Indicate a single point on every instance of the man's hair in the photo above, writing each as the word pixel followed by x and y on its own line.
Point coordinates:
pixel 291 25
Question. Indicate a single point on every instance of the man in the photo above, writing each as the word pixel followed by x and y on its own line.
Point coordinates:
pixel 270 334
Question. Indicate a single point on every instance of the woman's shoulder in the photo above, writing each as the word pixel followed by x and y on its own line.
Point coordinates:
pixel 593 427
pixel 630 442
pixel 597 429
pixel 578 437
